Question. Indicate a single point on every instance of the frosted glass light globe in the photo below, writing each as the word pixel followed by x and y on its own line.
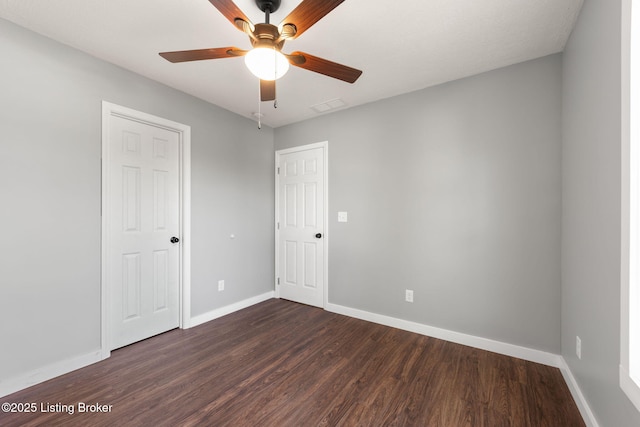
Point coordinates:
pixel 266 63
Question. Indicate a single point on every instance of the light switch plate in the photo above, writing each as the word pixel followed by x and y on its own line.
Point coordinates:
pixel 342 217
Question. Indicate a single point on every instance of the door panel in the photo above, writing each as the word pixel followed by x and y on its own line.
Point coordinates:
pixel 310 265
pixel 144 215
pixel 131 286
pixel 301 204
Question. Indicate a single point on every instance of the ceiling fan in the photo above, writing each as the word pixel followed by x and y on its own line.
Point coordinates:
pixel 266 60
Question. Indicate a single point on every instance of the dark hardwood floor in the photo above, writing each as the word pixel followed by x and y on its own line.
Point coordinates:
pixel 280 363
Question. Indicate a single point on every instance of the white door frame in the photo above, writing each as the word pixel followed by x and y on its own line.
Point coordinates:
pixel 110 110
pixel 325 150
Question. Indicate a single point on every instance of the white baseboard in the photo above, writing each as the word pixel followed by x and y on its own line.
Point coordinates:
pixel 583 406
pixel 223 311
pixel 513 350
pixel 46 373
pixel 537 356
pixel 13 385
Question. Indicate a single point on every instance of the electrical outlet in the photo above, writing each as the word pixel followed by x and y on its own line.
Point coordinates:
pixel 408 295
pixel 220 285
pixel 578 347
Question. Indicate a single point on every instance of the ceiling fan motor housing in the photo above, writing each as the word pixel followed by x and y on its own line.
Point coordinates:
pixel 270 5
pixel 266 36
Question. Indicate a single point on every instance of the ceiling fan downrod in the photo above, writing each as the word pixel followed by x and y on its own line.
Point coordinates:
pixel 268 7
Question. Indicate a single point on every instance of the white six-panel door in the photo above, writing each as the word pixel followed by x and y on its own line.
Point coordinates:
pixel 143 218
pixel 301 225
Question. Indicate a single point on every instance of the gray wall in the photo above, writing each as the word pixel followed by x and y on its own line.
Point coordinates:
pixel 454 192
pixel 50 146
pixel 591 172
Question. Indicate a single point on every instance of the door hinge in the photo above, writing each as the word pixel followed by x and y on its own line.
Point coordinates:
pixel 278 225
pixel 278 280
pixel 278 170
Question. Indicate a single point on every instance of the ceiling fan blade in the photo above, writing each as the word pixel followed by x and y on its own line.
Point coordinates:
pixel 232 12
pixel 323 66
pixel 267 90
pixel 200 54
pixel 308 13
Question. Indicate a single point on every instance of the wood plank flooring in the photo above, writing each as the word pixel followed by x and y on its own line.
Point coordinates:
pixel 282 364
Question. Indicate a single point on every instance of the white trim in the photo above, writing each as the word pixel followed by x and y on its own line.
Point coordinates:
pixel 576 392
pixel 184 135
pixel 630 205
pixel 57 369
pixel 48 372
pixel 325 146
pixel 185 221
pixel 276 222
pixel 532 355
pixel 629 386
pixel 513 350
pixel 44 374
pixel 232 308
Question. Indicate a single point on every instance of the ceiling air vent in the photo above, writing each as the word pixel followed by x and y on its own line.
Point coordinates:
pixel 328 105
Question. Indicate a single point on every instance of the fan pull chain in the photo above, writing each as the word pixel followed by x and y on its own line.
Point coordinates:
pixel 275 70
pixel 259 117
pixel 259 108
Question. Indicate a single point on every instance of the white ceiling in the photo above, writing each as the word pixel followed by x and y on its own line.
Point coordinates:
pixel 401 45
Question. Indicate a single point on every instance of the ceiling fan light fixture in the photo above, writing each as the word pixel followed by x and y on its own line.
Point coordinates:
pixel 266 63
